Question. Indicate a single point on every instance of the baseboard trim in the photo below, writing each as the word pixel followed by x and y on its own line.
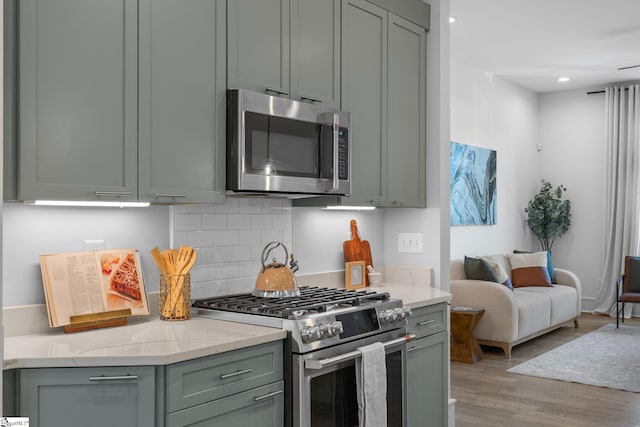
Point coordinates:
pixel 452 412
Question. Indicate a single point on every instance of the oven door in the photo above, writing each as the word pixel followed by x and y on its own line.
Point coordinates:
pixel 324 383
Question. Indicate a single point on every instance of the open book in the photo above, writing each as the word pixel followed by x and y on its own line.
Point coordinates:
pixel 90 282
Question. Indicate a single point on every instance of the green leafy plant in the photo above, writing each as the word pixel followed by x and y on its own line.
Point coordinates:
pixel 549 216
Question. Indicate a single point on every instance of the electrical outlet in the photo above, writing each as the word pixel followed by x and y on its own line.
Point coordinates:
pixel 410 243
pixel 93 245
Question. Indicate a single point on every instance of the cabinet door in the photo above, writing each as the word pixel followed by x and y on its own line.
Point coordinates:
pixel 364 94
pixel 78 99
pixel 259 407
pixel 258 45
pixel 427 381
pixel 406 150
pixel 182 101
pixel 97 397
pixel 315 51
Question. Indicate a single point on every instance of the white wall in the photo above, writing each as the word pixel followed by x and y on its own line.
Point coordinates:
pixel 29 231
pixel 489 112
pixel 572 137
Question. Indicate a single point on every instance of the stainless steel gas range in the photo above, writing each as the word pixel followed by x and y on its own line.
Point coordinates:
pixel 326 326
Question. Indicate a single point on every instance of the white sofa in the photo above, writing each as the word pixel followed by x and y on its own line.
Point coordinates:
pixel 514 316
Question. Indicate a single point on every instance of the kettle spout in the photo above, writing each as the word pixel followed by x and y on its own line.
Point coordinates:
pixel 293 264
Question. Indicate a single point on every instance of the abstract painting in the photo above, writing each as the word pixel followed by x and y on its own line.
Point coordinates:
pixel 473 185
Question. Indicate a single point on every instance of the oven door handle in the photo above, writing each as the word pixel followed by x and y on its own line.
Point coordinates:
pixel 323 363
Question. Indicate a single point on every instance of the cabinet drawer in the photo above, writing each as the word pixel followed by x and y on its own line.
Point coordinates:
pixel 263 406
pixel 201 380
pixel 428 320
pixel 78 397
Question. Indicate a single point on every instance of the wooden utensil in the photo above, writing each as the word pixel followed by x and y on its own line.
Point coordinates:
pixel 356 249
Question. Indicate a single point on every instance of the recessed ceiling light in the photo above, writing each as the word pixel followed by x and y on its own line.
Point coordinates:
pixel 452 19
pixel 563 79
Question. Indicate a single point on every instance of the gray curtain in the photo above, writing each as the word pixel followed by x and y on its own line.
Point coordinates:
pixel 622 184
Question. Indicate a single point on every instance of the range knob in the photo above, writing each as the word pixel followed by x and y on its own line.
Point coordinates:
pixel 321 331
pixel 310 334
pixel 386 316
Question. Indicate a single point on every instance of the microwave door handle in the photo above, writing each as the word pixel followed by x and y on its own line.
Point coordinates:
pixel 323 363
pixel 336 129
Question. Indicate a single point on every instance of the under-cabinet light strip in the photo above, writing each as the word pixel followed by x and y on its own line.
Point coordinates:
pixel 349 208
pixel 87 203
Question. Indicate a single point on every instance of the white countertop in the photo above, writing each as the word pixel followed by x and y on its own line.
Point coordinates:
pixel 414 296
pixel 148 341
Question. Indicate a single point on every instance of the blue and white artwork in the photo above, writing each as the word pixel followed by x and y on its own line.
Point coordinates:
pixel 473 185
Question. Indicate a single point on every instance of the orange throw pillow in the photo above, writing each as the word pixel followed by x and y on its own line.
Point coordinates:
pixel 529 269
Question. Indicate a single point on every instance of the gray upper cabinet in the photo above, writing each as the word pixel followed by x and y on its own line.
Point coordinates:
pixel 364 94
pixel 384 87
pixel 289 48
pixel 407 116
pixel 77 117
pixel 315 51
pixel 117 100
pixel 182 101
pixel 258 45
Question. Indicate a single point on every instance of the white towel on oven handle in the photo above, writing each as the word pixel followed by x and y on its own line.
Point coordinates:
pixel 371 383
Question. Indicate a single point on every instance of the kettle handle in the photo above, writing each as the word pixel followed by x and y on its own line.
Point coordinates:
pixel 267 250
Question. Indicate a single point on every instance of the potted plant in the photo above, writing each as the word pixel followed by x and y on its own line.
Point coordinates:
pixel 549 216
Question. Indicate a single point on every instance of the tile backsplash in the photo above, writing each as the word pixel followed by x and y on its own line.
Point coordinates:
pixel 229 239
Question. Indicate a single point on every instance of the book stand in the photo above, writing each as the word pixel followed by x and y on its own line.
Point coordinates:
pixel 105 319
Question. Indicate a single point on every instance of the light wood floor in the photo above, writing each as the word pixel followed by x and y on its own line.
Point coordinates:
pixel 487 395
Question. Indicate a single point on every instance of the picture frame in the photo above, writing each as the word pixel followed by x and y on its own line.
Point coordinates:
pixel 354 275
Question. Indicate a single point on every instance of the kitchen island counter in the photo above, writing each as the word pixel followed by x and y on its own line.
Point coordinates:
pixel 144 341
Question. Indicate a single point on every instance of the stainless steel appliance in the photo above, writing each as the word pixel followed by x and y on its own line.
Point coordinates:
pixel 326 327
pixel 277 145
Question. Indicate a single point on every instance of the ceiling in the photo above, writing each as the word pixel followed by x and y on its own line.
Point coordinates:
pixel 532 43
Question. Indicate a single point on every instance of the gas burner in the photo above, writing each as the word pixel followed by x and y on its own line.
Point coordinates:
pixel 311 300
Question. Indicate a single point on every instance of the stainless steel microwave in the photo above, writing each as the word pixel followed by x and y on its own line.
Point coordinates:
pixel 277 145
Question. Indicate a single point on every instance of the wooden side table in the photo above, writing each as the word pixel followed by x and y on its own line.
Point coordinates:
pixel 464 346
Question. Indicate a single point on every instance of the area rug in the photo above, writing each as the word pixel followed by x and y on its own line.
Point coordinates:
pixel 607 357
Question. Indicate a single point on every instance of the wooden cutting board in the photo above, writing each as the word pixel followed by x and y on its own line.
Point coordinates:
pixel 357 250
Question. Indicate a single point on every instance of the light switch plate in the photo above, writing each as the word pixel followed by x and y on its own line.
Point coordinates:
pixel 410 243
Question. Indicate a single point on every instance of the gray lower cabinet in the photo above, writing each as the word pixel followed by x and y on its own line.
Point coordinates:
pixel 289 48
pixel 100 397
pixel 262 406
pixel 117 100
pixel 240 388
pixel 427 374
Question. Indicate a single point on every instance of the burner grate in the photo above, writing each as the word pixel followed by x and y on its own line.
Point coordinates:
pixel 311 299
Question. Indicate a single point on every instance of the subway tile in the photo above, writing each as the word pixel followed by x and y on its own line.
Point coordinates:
pixel 249 205
pixel 230 205
pixel 238 253
pixel 188 222
pixel 202 238
pixel 201 208
pixel 239 222
pixel 249 237
pixel 215 221
pixel 225 238
pixel 261 222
